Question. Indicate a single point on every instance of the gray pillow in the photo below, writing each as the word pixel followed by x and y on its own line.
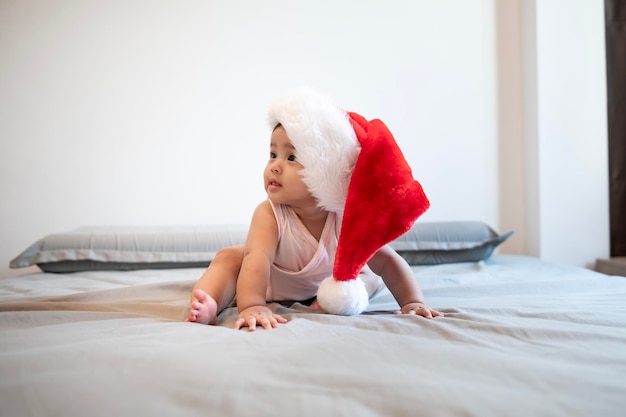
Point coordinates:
pixel 448 242
pixel 131 248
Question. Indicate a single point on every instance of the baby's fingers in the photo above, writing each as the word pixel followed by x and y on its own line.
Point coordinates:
pixel 419 310
pixel 242 322
pixel 279 319
pixel 424 312
pixel 252 323
pixel 268 322
pixel 428 313
pixel 272 322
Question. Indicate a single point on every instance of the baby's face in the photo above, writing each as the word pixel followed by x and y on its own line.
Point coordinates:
pixel 283 181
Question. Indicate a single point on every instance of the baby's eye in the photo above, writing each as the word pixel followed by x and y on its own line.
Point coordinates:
pixel 292 157
pixel 272 155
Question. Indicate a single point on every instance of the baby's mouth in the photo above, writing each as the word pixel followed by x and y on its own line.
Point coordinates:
pixel 274 185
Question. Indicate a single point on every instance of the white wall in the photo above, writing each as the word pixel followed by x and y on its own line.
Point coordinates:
pixel 153 112
pixel 552 128
pixel 566 113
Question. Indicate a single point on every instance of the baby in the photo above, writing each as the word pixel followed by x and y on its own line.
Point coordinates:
pixel 290 249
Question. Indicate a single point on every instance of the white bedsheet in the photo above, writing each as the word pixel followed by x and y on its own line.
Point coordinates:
pixel 521 337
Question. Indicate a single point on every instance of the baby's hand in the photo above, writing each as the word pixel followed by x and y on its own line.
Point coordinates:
pixel 420 309
pixel 254 315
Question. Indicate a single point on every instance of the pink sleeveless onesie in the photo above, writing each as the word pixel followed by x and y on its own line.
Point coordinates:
pixel 301 262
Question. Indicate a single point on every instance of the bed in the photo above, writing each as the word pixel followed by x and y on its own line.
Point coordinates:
pixel 96 335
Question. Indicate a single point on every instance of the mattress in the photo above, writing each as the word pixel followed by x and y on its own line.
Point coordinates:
pixel 520 337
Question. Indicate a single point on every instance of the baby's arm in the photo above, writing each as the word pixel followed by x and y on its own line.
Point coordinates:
pixel 398 277
pixel 259 252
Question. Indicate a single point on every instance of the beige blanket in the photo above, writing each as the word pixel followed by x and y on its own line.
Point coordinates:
pixel 521 337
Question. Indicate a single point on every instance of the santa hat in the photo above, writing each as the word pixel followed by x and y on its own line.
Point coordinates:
pixel 355 168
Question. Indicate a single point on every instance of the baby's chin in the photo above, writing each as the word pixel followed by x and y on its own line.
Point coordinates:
pixel 273 198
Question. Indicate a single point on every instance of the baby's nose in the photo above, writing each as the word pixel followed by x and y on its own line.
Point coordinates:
pixel 276 166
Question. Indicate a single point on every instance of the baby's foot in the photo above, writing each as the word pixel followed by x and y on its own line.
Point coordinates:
pixel 315 305
pixel 204 310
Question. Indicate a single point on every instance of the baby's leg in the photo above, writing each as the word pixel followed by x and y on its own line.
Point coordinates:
pixel 216 288
pixel 371 280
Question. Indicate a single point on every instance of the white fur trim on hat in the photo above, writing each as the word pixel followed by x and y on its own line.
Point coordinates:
pixel 325 143
pixel 346 298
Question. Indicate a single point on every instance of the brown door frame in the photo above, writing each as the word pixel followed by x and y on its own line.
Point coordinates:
pixel 615 26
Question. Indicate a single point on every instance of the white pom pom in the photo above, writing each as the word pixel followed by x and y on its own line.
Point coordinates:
pixel 345 298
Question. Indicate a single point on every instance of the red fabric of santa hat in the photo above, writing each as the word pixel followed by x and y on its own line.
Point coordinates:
pixel 354 167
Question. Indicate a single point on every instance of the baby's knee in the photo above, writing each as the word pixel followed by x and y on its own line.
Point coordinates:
pixel 371 281
pixel 231 254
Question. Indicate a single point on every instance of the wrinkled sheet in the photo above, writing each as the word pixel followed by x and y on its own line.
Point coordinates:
pixel 521 337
